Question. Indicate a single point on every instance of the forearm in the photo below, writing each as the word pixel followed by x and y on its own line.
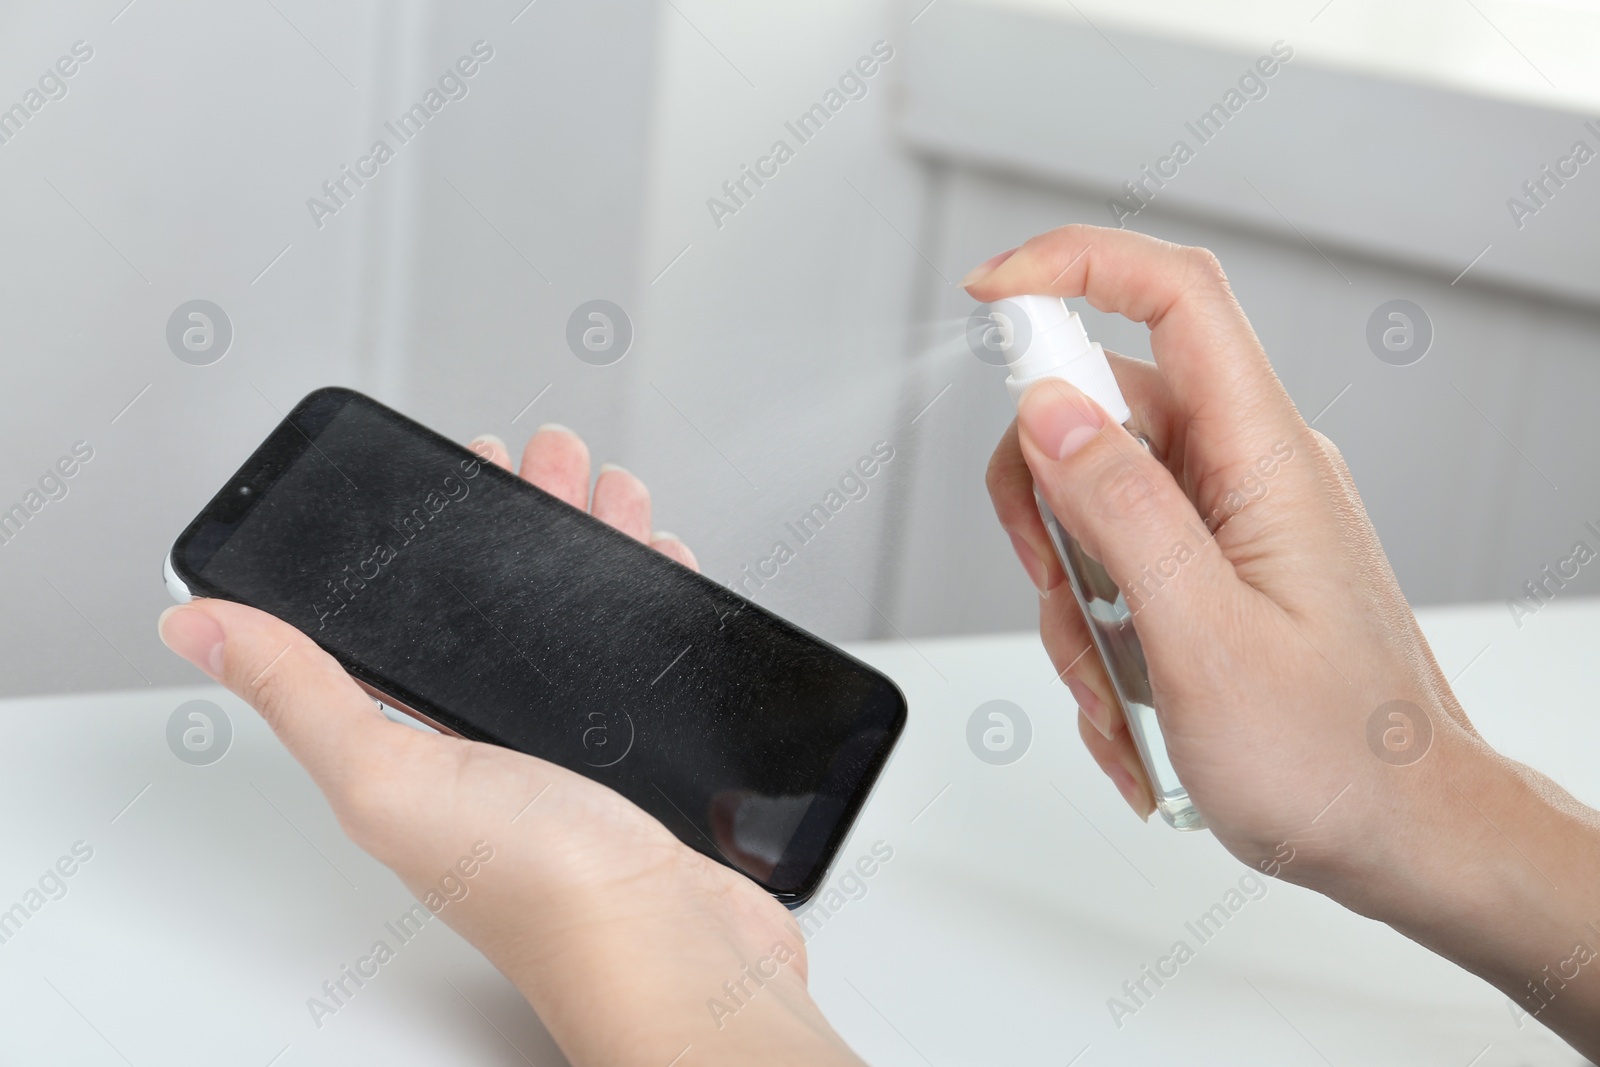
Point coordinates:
pixel 637 990
pixel 1499 872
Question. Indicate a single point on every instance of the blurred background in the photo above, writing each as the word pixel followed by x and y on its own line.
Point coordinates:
pixel 784 329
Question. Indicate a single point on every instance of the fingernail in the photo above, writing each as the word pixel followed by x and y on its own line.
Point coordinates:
pixel 977 273
pixel 663 535
pixel 556 426
pixel 1057 418
pixel 1038 573
pixel 194 635
pixel 613 467
pixel 1128 786
pixel 1094 709
pixel 487 442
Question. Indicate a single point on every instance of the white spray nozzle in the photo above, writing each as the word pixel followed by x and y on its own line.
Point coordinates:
pixel 1046 339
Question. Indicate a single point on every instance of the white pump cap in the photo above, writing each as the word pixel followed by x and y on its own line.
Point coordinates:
pixel 1053 344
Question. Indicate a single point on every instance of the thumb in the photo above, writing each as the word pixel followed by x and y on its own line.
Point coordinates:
pixel 1124 508
pixel 317 710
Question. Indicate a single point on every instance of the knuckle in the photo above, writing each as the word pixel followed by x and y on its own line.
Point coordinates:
pixel 1325 444
pixel 270 689
pixel 1009 487
pixel 1063 234
pixel 1061 246
pixel 996 477
pixel 1092 739
pixel 1329 453
pixel 1124 494
pixel 1203 265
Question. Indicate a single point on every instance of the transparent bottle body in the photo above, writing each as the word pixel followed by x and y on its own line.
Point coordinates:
pixel 1110 624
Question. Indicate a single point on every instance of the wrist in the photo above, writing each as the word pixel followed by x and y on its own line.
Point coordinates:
pixel 642 980
pixel 1431 849
pixel 1422 849
pixel 1493 866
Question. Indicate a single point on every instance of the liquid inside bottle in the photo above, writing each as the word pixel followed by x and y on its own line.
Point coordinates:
pixel 1110 622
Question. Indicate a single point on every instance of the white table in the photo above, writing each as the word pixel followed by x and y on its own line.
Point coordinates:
pixel 1018 900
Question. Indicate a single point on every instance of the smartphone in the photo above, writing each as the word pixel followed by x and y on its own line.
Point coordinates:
pixel 462 595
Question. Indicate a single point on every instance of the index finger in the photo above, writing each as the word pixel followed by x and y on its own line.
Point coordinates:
pixel 1209 355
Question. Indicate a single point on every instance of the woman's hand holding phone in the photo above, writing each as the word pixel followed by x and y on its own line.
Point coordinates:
pixel 1274 632
pixel 1277 638
pixel 616 932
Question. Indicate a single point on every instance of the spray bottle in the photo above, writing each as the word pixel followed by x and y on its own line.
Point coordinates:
pixel 1041 338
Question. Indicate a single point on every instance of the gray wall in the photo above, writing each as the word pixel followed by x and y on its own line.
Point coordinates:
pixel 1462 510
pixel 1333 194
pixel 175 168
pixel 190 143
pixel 772 350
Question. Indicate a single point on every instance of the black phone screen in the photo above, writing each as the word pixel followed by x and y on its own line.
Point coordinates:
pixel 510 617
